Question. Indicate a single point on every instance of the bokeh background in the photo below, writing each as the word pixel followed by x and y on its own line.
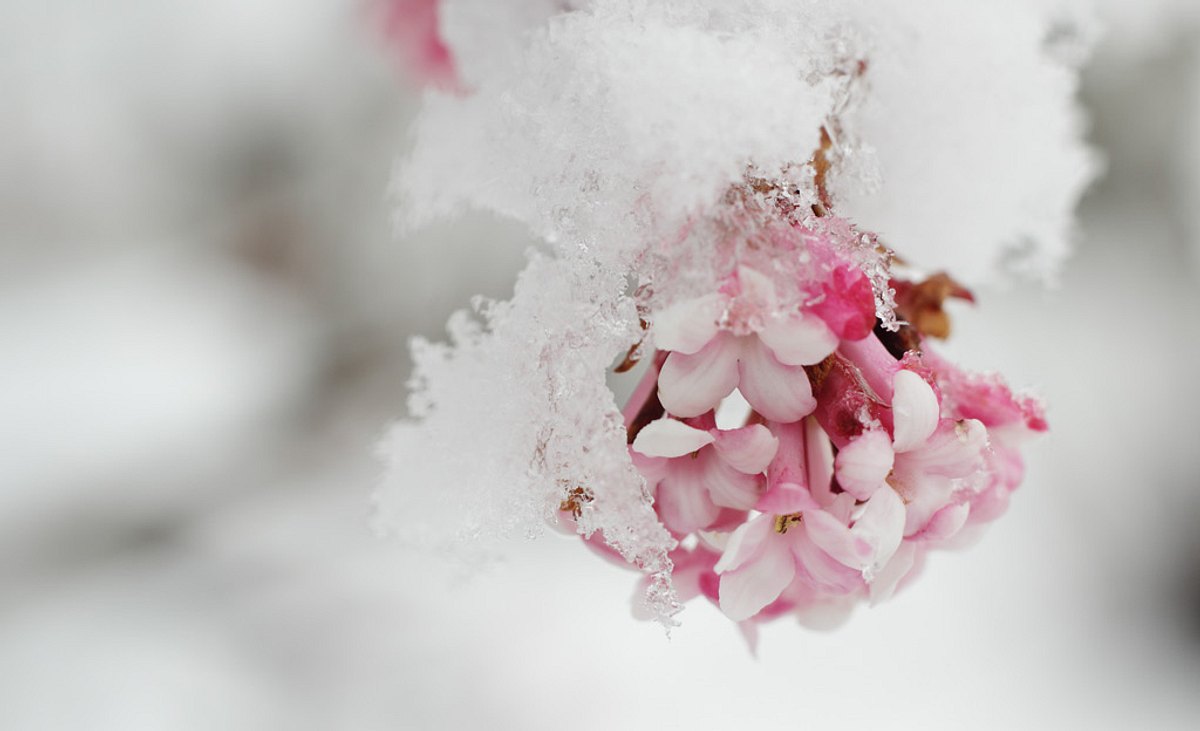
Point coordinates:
pixel 204 312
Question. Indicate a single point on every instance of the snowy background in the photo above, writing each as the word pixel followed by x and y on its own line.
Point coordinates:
pixel 203 325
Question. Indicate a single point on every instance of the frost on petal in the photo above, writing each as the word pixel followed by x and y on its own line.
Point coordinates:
pixel 799 340
pixel 670 438
pixel 686 327
pixel 748 449
pixel 779 392
pixel 690 385
pixel 755 584
pixel 914 408
pixel 756 291
pixel 847 304
pixel 864 463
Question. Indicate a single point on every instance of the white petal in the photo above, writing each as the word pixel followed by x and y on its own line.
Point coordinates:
pixel 749 449
pixel 891 574
pixel 652 469
pixel 827 613
pixel 684 504
pixel 881 525
pixel 953 450
pixel 799 340
pixel 686 327
pixel 779 392
pixel 670 438
pixel 690 385
pixel 824 571
pixel 819 451
pixel 864 463
pixel 945 523
pixel 726 486
pixel 914 410
pixel 744 543
pixel 836 539
pixel 745 591
pixel 785 498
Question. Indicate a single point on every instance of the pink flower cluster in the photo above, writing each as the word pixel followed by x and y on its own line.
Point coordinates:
pixel 852 454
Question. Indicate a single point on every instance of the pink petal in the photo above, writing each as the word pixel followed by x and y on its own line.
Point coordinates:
pixel 653 469
pixel 848 303
pixel 749 630
pixel 926 494
pixel 414 25
pixel 757 583
pixel 826 613
pixel 779 392
pixel 690 566
pixel 842 507
pixel 887 578
pixel 785 498
pixel 953 450
pixel 835 538
pixel 686 327
pixel 864 463
pixel 876 365
pixel 670 438
pixel 684 504
pixel 915 410
pixel 726 486
pixel 749 449
pixel 882 526
pixel 799 340
pixel 690 385
pixel 945 523
pixel 821 569
pixel 745 543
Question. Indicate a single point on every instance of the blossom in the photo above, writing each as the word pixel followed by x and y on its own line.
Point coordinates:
pixel 816 537
pixel 740 338
pixel 862 449
pixel 762 134
pixel 699 471
pixel 413 24
pixel 1012 421
pixel 924 458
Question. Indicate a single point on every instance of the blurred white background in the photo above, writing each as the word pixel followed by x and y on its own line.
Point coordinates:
pixel 203 324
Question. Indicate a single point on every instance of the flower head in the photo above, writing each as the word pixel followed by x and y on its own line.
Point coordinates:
pixel 860 450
